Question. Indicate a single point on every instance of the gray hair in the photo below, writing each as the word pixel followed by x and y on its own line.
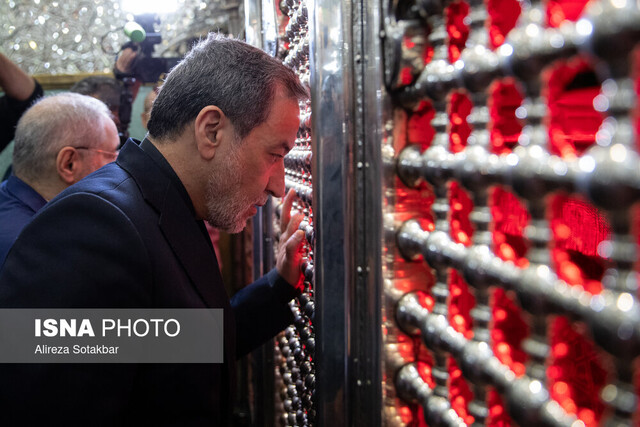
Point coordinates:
pixel 236 77
pixel 54 122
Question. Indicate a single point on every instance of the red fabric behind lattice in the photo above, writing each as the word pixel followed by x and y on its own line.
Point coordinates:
pixel 510 218
pixel 560 10
pixel 457 30
pixel 575 374
pixel 459 130
pixel 503 15
pixel 504 127
pixel 573 122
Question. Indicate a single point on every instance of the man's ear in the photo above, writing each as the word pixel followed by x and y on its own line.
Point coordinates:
pixel 68 164
pixel 210 127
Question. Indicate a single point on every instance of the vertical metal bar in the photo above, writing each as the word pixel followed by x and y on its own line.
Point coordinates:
pixel 260 19
pixel 365 394
pixel 269 29
pixel 331 95
pixel 262 358
pixel 253 22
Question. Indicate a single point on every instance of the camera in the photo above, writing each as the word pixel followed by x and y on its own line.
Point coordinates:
pixel 143 40
pixel 145 68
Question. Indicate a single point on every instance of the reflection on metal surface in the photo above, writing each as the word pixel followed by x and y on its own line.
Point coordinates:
pixel 296 368
pixel 330 95
pixel 472 174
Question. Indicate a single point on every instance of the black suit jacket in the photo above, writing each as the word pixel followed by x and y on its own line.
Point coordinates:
pixel 126 237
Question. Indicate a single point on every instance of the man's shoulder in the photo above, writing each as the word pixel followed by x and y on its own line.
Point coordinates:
pixel 109 177
pixel 111 193
pixel 12 211
pixel 14 216
pixel 15 207
pixel 7 199
pixel 111 183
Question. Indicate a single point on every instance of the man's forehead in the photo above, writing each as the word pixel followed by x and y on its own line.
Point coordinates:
pixel 281 145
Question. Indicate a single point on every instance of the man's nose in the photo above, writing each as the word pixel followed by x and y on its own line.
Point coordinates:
pixel 275 186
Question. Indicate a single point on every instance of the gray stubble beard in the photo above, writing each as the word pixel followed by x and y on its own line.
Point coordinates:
pixel 226 203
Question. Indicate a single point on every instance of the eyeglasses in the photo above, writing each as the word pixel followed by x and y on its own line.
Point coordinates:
pixel 109 154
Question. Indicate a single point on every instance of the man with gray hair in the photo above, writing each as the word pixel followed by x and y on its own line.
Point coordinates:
pixel 59 140
pixel 132 236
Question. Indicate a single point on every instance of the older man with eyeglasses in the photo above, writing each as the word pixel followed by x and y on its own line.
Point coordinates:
pixel 59 140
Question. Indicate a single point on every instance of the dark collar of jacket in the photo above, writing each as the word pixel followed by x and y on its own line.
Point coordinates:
pixel 184 232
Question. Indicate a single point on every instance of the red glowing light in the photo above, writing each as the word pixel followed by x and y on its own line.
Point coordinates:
pixel 404 285
pixel 502 348
pixel 518 369
pixel 561 389
pixel 593 286
pixel 424 371
pixel 457 30
pixel 508 332
pixel 459 108
pixel 454 52
pixel 587 416
pixel 406 76
pixel 405 414
pixel 503 15
pixel 571 272
pixel 562 231
pixel 561 349
pixel 555 15
pixel 506 252
pixel 459 323
pixel 569 406
pixel 426 300
pixel 561 10
pixel 405 350
pixel 463 237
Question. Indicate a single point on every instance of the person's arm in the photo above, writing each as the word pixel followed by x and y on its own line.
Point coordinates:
pixel 14 82
pixel 124 67
pixel 20 92
pixel 261 309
